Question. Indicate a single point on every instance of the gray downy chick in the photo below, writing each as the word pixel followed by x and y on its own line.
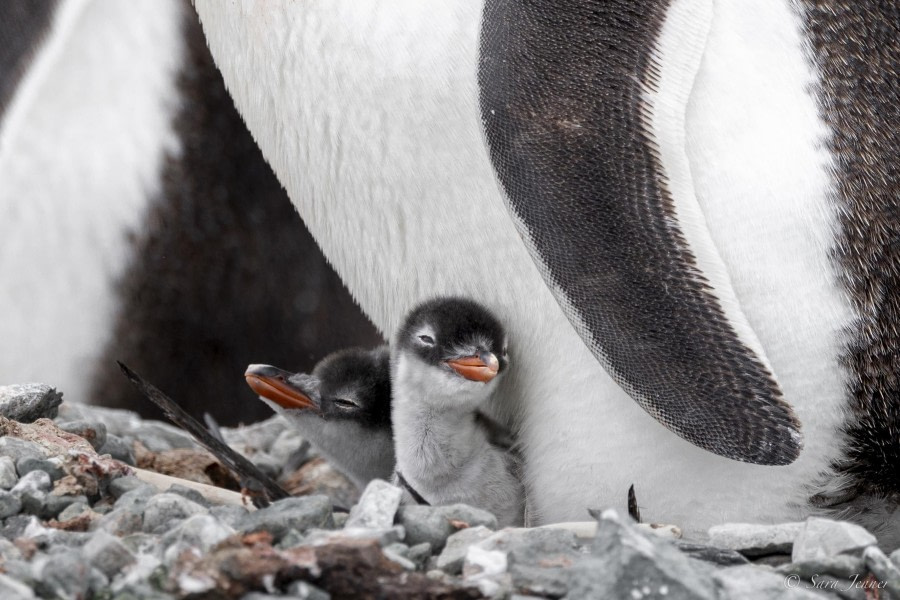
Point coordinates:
pixel 343 408
pixel 445 364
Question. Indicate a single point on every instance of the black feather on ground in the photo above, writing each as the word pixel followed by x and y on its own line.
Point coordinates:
pixel 261 487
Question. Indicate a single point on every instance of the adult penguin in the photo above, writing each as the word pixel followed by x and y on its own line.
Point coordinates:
pixel 708 189
pixel 141 222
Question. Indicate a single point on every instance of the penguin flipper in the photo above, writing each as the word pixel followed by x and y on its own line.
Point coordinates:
pixel 585 128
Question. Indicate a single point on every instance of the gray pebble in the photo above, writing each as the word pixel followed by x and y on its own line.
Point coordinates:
pixel 27 402
pixel 21 570
pixel 143 543
pixel 159 437
pixel 533 546
pixel 15 526
pixel 201 531
pixel 55 540
pixel 46 506
pixel 292 539
pixel 536 557
pixel 189 493
pixel 398 558
pixel 398 548
pixel 287 444
pixel 10 589
pixel 33 502
pixel 107 553
pixel 102 508
pixel 259 436
pixel 384 537
pixel 73 510
pixel 717 556
pixel 432 524
pixel 8 476
pixel 141 590
pixel 419 554
pixel 842 566
pixel 753 583
pixel 66 575
pixel 54 505
pixel 118 448
pixel 299 513
pixel 755 540
pixel 454 553
pixel 136 499
pixel 17 449
pixel 9 551
pixel 93 431
pixel 549 583
pixel 340 519
pixel 10 504
pixel 267 464
pixel 120 522
pixel 883 569
pixel 822 538
pixel 626 563
pixel 164 508
pixel 33 481
pixel 376 507
pixel 229 514
pixel 306 591
pixel 50 466
pixel 120 485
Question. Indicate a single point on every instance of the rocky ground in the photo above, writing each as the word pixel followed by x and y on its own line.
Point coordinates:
pixel 80 520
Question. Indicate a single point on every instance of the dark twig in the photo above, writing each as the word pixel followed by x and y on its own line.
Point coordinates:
pixel 260 486
pixel 633 509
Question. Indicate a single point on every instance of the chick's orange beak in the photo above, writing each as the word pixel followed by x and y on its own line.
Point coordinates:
pixel 476 368
pixel 272 384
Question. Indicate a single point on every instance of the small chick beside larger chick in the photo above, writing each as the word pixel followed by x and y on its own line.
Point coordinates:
pixel 446 361
pixel 343 408
pixel 449 355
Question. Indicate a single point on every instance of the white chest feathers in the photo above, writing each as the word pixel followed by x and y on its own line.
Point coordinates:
pixel 442 452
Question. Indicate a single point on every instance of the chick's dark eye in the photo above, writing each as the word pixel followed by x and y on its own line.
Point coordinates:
pixel 427 339
pixel 345 404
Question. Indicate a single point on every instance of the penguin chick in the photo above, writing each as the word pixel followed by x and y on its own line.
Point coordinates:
pixel 343 408
pixel 445 365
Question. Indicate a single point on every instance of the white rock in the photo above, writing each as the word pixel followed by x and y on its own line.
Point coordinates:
pixel 755 540
pixel 883 569
pixel 165 507
pixel 376 507
pixel 821 538
pixel 10 589
pixel 748 582
pixel 454 554
pixel 8 476
pixel 481 563
pixel 202 531
pixel 33 481
pixel 107 553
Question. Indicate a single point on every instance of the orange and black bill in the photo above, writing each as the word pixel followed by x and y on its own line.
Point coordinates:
pixel 483 367
pixel 274 384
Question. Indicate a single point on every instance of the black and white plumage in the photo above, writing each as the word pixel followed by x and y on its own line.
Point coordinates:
pixel 664 186
pixel 141 221
pixel 343 408
pixel 446 362
pixel 732 167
